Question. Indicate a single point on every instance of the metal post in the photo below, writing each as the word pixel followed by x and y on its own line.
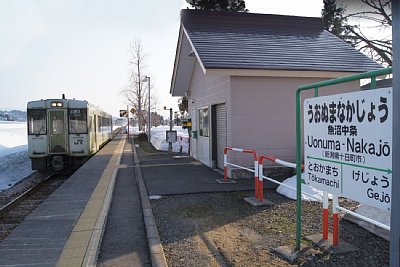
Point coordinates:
pixel 299 154
pixel 139 102
pixel 325 216
pixel 395 202
pixel 170 128
pixel 149 125
pixel 335 220
pixel 127 109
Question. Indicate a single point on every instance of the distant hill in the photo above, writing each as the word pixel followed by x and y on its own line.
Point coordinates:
pixel 13 115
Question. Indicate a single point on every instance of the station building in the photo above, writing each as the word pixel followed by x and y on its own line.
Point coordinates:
pixel 240 72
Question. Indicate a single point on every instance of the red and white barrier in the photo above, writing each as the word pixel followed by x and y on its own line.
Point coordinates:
pixel 325 212
pixel 335 221
pixel 280 162
pixel 325 216
pixel 255 171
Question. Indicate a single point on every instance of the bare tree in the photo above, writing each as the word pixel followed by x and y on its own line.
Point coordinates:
pixel 378 16
pixel 365 24
pixel 135 92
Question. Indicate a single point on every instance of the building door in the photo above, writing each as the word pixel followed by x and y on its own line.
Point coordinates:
pixel 203 143
pixel 219 135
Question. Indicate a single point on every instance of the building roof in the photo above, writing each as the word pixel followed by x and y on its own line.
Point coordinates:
pixel 237 40
pixel 258 41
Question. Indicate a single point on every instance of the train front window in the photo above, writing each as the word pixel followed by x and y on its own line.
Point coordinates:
pixel 78 121
pixel 37 121
pixel 57 122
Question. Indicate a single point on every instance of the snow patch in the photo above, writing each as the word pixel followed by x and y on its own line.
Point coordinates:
pixel 292 194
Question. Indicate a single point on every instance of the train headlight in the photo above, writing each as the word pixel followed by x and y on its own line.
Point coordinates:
pixel 57 104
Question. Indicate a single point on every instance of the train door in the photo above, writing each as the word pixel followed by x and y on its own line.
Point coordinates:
pixel 57 130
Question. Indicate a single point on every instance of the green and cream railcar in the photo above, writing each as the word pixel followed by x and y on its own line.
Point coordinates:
pixel 65 132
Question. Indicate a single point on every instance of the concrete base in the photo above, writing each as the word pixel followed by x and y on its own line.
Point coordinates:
pixel 256 203
pixel 291 254
pixel 327 245
pixel 229 181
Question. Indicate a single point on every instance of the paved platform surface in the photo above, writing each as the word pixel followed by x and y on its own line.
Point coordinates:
pixel 102 215
pixel 166 174
pixel 124 241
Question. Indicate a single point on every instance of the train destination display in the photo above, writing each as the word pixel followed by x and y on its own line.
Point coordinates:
pixel 348 145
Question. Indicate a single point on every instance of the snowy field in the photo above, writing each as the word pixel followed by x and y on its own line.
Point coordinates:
pixel 14 160
pixel 15 164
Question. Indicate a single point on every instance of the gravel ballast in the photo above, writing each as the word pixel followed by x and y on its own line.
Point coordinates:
pixel 221 229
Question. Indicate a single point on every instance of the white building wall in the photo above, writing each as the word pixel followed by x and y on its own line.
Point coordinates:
pixel 263 114
pixel 205 91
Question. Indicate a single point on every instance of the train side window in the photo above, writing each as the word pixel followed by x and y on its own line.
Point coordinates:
pixel 78 121
pixel 37 121
pixel 90 126
pixel 99 124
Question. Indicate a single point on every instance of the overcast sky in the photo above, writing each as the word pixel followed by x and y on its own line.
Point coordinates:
pixel 80 47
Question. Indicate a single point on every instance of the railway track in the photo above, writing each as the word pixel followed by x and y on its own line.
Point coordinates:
pixel 19 207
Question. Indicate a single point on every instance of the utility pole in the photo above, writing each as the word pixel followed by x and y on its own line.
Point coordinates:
pixel 139 98
pixel 127 109
pixel 147 79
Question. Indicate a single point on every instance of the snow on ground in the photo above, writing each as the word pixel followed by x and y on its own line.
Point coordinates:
pixel 13 137
pixel 14 160
pixel 15 164
pixel 158 136
pixel 306 189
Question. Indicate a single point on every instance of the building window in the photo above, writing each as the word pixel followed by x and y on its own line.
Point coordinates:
pixel 203 122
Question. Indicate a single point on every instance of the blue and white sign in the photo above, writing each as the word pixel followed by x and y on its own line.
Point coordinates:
pixel 348 145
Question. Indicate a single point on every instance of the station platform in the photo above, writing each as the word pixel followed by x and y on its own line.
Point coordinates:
pixel 66 228
pixel 101 216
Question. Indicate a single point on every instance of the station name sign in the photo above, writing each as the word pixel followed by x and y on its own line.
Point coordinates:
pixel 348 145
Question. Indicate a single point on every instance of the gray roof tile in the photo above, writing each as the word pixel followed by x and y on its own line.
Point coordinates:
pixel 231 40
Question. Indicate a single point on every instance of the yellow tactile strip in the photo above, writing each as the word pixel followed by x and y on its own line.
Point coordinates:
pixel 82 245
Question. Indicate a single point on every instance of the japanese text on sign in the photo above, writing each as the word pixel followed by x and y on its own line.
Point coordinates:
pixel 348 145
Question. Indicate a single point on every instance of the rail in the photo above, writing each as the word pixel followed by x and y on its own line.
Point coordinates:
pixel 23 195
